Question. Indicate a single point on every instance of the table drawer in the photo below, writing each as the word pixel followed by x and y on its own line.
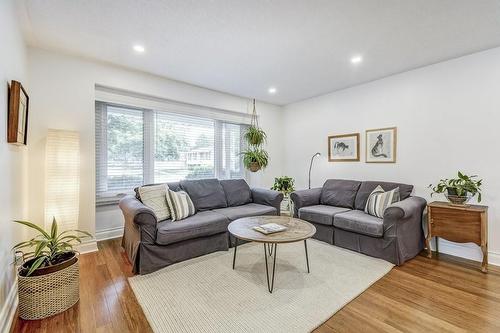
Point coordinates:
pixel 455 225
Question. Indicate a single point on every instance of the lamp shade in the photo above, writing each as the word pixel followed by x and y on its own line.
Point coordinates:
pixel 62 178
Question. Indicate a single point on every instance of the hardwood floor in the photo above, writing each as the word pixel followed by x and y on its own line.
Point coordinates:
pixel 443 294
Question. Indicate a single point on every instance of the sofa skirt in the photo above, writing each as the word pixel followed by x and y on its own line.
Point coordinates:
pixel 379 247
pixel 152 257
pixel 323 233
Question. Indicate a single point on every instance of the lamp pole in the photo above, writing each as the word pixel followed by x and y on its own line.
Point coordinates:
pixel 310 167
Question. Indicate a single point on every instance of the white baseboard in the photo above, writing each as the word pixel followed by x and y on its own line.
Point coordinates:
pixel 9 310
pixel 87 247
pixel 109 233
pixel 467 251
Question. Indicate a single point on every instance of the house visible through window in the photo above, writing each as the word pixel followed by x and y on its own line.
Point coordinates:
pixel 141 146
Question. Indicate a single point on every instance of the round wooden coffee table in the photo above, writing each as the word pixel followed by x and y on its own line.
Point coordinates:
pixel 297 230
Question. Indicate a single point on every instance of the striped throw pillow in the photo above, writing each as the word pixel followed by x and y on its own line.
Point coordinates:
pixel 153 196
pixel 379 200
pixel 180 205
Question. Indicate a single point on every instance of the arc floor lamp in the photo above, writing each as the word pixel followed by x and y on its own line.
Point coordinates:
pixel 310 167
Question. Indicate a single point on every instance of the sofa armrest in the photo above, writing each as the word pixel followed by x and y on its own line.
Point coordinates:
pixel 139 216
pixel 304 198
pixel 405 209
pixel 267 197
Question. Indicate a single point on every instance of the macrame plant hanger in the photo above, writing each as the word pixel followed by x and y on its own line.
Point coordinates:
pixel 254 122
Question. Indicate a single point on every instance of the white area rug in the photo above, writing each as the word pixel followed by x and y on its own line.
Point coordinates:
pixel 205 295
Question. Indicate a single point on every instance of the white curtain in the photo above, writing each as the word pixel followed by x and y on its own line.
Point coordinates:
pixel 62 178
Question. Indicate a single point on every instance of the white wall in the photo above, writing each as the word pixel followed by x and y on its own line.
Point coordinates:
pixel 448 118
pixel 12 159
pixel 63 97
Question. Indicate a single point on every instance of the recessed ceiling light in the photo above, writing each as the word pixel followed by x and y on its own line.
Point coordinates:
pixel 272 90
pixel 139 48
pixel 356 59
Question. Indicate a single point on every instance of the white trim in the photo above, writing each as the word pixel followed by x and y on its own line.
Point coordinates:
pixel 467 251
pixel 109 233
pixel 9 310
pixel 87 247
pixel 144 101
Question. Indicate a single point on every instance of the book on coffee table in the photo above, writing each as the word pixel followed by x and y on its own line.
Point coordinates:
pixel 269 228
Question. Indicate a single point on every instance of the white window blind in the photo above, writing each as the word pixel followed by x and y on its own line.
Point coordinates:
pixel 142 146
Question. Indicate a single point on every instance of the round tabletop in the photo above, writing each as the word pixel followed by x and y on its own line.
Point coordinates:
pixel 297 229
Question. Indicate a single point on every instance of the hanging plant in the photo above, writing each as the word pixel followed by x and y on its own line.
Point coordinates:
pixel 255 158
pixel 255 136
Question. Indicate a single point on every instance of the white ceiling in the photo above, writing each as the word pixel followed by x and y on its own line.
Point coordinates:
pixel 301 47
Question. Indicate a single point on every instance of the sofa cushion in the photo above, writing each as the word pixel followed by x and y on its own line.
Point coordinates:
pixel 321 214
pixel 359 222
pixel 201 224
pixel 251 209
pixel 367 188
pixel 339 192
pixel 174 186
pixel 237 192
pixel 155 198
pixel 379 200
pixel 180 205
pixel 205 193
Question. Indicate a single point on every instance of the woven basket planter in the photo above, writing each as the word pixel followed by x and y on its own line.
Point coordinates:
pixel 254 167
pixel 47 295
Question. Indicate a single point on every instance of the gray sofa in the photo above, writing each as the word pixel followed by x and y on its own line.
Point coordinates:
pixel 151 244
pixel 337 212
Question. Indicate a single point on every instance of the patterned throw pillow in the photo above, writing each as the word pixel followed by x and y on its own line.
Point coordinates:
pixel 180 205
pixel 379 200
pixel 154 197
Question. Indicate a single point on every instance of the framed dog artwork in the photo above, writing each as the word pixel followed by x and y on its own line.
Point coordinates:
pixel 381 145
pixel 343 148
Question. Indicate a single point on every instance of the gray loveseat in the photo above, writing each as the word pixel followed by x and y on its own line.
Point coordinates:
pixel 337 211
pixel 151 244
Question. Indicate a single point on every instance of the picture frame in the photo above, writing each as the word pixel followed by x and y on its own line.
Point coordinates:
pixel 381 145
pixel 343 148
pixel 17 119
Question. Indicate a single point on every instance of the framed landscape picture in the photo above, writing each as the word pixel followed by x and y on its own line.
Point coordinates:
pixel 343 148
pixel 17 128
pixel 381 145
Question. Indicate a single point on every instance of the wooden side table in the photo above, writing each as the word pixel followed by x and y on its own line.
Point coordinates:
pixel 461 224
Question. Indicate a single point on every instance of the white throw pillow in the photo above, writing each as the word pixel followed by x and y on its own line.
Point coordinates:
pixel 154 197
pixel 379 200
pixel 180 205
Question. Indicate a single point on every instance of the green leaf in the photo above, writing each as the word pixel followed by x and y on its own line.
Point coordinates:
pixel 70 238
pixel 33 226
pixel 41 245
pixel 23 245
pixel 53 229
pixel 36 264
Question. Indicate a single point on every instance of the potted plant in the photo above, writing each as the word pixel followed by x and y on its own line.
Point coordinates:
pixel 255 159
pixel 255 136
pixel 285 185
pixel 459 190
pixel 48 279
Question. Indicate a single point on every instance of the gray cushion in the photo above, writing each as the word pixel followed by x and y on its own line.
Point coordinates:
pixel 251 209
pixel 367 187
pixel 359 222
pixel 237 192
pixel 321 214
pixel 201 224
pixel 205 193
pixel 339 192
